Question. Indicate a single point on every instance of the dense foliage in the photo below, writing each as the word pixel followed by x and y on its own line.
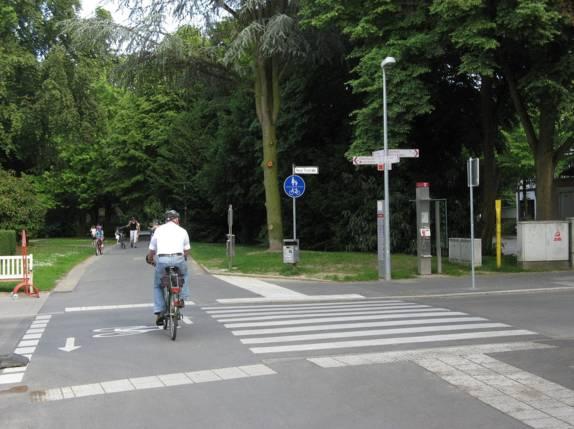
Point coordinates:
pixel 93 130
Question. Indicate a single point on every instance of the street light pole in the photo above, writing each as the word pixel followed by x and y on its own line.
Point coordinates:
pixel 385 62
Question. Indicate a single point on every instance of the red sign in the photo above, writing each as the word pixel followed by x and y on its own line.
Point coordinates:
pixel 557 236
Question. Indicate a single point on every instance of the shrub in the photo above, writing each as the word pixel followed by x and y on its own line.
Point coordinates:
pixel 22 206
pixel 7 242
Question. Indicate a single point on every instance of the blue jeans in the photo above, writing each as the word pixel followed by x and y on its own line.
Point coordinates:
pixel 161 263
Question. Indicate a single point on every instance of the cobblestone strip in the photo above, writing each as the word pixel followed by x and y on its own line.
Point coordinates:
pixel 150 382
pixel 533 400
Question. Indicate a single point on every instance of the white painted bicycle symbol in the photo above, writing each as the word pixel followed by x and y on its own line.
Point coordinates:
pixel 124 331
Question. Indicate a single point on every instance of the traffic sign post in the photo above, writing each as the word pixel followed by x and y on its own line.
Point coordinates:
pixel 384 160
pixel 472 168
pixel 294 187
pixel 306 170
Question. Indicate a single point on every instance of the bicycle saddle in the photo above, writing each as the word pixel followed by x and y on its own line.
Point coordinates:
pixel 170 269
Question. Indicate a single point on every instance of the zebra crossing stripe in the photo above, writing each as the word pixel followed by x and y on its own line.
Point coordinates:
pixel 390 341
pixel 372 332
pixel 417 308
pixel 299 305
pixel 303 307
pixel 427 313
pixel 271 331
pixel 318 311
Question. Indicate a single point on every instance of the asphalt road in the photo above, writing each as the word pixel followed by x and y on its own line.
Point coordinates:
pixel 287 354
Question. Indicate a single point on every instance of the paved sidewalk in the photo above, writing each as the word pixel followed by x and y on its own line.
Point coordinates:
pixel 438 285
pixel 21 307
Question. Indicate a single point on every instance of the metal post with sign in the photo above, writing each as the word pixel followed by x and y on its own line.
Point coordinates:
pixel 294 187
pixel 381 238
pixel 384 160
pixel 472 168
pixel 424 257
pixel 230 244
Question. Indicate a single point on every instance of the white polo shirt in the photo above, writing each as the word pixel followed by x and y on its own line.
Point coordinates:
pixel 169 238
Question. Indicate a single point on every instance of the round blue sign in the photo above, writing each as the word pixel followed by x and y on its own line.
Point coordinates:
pixel 294 186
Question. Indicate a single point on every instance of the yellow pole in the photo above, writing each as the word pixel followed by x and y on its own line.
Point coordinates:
pixel 498 210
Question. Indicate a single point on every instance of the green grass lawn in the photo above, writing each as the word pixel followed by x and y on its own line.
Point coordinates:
pixel 53 258
pixel 338 266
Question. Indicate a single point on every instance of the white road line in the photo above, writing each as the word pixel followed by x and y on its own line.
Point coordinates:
pixel 419 309
pixel 374 358
pixel 150 382
pixel 106 307
pixel 28 343
pixel 26 347
pixel 187 320
pixel 373 332
pixel 31 336
pixel 317 310
pixel 241 308
pixel 259 287
pixel 271 331
pixel 342 319
pixel 390 341
pixel 291 298
pixel 11 378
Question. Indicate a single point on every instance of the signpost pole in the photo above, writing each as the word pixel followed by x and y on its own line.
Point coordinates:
pixel 294 208
pixel 473 180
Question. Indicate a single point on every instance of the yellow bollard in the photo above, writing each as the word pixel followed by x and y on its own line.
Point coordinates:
pixel 498 210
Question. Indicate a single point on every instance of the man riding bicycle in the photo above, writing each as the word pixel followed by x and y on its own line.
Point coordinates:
pixel 170 247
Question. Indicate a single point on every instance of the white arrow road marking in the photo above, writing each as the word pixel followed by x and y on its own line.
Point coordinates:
pixel 69 347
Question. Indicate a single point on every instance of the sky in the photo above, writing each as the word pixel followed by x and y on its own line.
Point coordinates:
pixel 89 7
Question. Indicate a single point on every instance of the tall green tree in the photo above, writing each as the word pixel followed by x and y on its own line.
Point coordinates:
pixel 264 39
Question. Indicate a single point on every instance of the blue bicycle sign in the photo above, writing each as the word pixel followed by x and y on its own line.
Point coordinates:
pixel 294 186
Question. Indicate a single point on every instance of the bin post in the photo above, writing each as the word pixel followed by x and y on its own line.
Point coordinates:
pixel 291 251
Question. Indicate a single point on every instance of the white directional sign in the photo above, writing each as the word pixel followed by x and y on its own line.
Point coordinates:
pixel 401 153
pixel 374 160
pixel 306 170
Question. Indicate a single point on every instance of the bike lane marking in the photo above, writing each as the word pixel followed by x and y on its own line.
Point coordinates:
pixel 26 347
pixel 150 382
pixel 113 307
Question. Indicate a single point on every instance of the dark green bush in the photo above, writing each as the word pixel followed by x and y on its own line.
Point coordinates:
pixel 7 242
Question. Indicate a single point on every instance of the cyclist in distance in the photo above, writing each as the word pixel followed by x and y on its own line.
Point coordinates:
pixel 169 246
pixel 99 237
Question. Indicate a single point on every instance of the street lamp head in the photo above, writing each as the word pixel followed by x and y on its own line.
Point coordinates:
pixel 388 61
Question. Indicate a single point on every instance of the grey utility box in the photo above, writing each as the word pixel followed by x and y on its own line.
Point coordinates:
pixel 290 251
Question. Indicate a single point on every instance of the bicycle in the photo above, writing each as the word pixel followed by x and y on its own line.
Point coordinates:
pixel 99 247
pixel 172 283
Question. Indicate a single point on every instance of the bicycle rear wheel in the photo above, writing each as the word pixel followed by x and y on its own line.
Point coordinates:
pixel 166 296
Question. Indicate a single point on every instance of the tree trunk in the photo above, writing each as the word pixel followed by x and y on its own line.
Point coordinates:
pixel 490 173
pixel 542 145
pixel 267 106
pixel 545 163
